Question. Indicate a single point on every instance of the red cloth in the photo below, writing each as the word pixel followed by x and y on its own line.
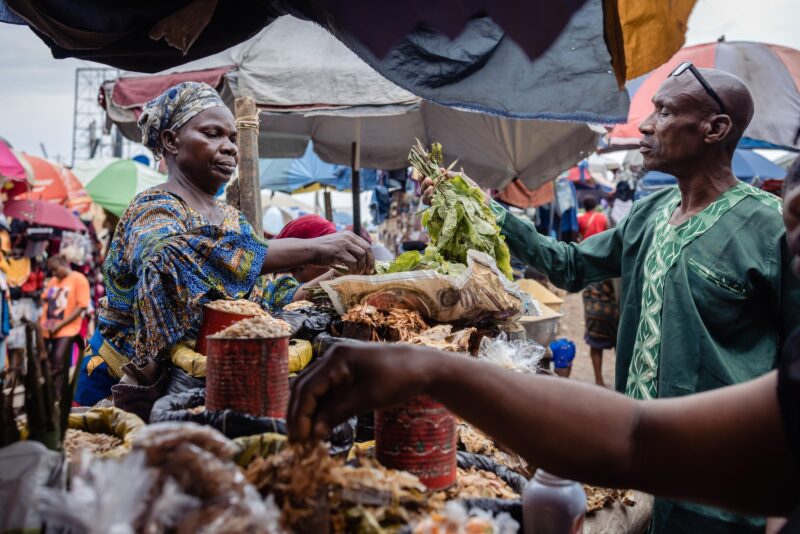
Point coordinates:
pixel 364 234
pixel 592 223
pixel 307 227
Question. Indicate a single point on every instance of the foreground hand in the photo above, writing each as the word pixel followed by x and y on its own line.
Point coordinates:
pixel 343 248
pixel 356 378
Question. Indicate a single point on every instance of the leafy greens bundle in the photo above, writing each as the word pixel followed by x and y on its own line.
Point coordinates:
pixel 458 220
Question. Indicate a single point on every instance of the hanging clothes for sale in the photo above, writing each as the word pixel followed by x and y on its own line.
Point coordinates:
pixel 18 271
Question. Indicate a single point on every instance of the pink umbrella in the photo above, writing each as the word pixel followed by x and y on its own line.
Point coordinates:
pixel 44 214
pixel 10 167
pixel 771 72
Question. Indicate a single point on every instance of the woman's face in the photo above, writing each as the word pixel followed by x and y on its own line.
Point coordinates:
pixel 204 149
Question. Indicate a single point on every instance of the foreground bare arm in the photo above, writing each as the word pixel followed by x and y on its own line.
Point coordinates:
pixel 725 448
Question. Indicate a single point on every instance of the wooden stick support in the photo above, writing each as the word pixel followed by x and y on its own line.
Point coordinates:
pixel 328 205
pixel 249 183
pixel 356 187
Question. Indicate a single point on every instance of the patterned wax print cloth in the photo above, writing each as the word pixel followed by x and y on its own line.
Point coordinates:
pixel 172 109
pixel 166 260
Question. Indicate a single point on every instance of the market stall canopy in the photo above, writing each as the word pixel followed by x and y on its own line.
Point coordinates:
pixel 310 86
pixel 43 213
pixel 52 182
pixel 483 70
pixel 152 37
pixel 309 173
pixel 112 182
pixel 771 72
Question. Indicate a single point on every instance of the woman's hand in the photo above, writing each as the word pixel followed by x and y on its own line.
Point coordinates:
pixel 355 378
pixel 343 248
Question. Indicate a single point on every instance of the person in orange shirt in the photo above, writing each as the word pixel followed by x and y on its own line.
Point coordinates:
pixel 65 299
pixel 600 306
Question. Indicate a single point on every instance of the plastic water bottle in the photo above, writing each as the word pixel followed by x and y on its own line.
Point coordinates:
pixel 552 505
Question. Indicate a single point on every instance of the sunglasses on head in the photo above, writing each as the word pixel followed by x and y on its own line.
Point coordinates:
pixel 687 65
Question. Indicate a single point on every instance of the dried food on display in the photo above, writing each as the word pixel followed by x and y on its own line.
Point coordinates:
pixel 255 327
pixel 239 307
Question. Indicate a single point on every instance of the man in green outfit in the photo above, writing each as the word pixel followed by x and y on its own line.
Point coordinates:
pixel 707 291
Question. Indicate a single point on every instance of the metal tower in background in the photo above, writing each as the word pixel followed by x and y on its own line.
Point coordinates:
pixel 89 136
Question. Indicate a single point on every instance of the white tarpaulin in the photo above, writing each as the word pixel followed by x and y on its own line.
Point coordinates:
pixel 311 86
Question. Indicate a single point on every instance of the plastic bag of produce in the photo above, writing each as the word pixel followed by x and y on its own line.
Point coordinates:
pixel 481 292
pixel 518 354
pixel 258 446
pixel 514 480
pixel 184 357
pixel 26 467
pixel 105 496
pixel 181 381
pixel 112 421
pixel 307 322
pixel 300 354
pixel 457 518
pixel 511 507
pixel 190 406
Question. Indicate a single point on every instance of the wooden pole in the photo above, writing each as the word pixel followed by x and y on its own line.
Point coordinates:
pixel 328 205
pixel 356 187
pixel 249 184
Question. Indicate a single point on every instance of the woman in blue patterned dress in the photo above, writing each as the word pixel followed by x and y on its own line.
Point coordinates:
pixel 176 247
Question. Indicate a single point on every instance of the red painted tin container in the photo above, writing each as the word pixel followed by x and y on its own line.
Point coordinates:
pixel 248 375
pixel 419 437
pixel 215 321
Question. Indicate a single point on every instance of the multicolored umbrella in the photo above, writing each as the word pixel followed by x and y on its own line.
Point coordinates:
pixel 771 72
pixel 52 182
pixel 112 183
pixel 14 175
pixel 43 213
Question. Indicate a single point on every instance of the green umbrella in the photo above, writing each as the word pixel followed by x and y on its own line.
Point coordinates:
pixel 112 183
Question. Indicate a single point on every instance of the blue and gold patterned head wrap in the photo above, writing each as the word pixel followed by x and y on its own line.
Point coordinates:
pixel 172 109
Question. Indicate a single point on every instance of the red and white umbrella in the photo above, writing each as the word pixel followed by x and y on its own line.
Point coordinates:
pixel 771 72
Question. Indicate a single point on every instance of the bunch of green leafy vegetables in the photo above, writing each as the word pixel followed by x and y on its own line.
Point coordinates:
pixel 458 220
pixel 414 261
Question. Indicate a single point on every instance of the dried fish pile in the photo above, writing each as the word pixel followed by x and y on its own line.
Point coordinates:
pixel 256 327
pixel 598 498
pixel 297 476
pixel 442 337
pixel 95 443
pixel 308 485
pixel 476 442
pixel 239 307
pixel 399 324
pixel 476 483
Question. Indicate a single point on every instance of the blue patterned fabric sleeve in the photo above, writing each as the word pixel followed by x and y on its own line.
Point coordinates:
pixel 165 262
pixel 273 295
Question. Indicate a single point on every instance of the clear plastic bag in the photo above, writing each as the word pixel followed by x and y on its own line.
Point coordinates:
pixel 521 355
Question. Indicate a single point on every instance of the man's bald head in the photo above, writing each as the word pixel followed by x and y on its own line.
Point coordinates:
pixel 688 125
pixel 736 97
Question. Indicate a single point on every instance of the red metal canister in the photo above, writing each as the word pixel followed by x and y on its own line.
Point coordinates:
pixel 215 321
pixel 419 437
pixel 248 375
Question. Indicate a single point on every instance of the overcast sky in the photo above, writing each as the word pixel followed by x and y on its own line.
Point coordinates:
pixel 37 91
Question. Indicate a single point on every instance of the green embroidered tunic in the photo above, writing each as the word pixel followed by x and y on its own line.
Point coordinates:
pixel 703 305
